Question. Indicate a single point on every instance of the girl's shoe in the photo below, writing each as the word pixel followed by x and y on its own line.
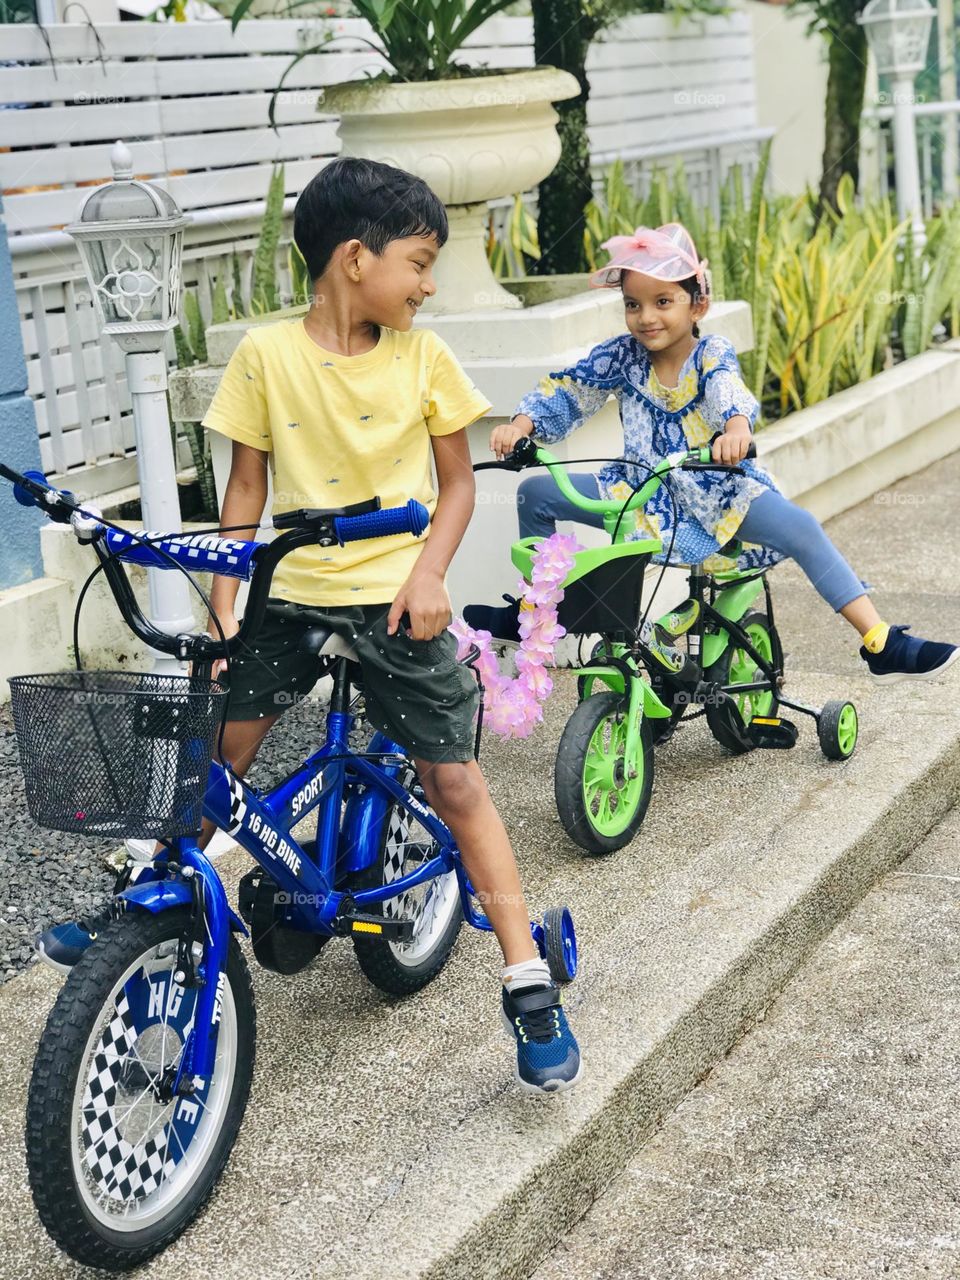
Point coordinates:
pixel 503 621
pixel 906 657
pixel 63 945
pixel 679 621
pixel 548 1056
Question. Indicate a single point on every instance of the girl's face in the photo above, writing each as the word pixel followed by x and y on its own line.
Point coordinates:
pixel 659 314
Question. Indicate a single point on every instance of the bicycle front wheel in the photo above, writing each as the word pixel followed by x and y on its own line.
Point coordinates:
pixel 602 797
pixel 117 1166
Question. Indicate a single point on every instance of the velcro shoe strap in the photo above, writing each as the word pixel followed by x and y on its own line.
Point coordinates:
pixel 530 1001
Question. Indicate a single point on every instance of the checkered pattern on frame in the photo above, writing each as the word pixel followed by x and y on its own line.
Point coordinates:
pixel 238 805
pixel 123 1171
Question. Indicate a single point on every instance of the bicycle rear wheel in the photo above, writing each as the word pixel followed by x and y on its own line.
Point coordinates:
pixel 728 721
pixel 400 968
pixel 118 1168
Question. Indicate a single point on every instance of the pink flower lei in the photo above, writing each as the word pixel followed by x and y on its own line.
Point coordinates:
pixel 512 705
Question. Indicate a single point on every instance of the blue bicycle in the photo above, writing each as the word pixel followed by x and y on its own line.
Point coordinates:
pixel 143 1071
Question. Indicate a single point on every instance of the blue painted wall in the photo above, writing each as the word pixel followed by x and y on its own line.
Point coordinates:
pixel 19 448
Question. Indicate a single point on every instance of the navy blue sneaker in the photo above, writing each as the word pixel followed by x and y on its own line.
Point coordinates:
pixel 906 657
pixel 63 945
pixel 503 621
pixel 548 1056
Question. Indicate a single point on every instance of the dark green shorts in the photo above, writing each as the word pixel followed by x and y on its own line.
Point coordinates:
pixel 415 691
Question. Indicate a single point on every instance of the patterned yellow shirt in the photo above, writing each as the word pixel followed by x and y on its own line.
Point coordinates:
pixel 343 429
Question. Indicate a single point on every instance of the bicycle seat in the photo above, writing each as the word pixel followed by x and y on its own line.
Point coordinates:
pixel 733 549
pixel 317 639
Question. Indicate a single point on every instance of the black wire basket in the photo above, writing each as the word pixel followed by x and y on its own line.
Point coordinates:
pixel 116 753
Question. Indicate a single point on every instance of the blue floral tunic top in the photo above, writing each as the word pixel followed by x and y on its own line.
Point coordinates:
pixel 658 421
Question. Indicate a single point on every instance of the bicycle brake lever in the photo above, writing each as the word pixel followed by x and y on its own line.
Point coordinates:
pixel 522 455
pixel 732 470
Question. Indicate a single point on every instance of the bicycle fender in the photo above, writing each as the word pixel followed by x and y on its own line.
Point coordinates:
pixel 733 602
pixel 361 829
pixel 363 818
pixel 164 895
pixel 653 708
pixel 612 679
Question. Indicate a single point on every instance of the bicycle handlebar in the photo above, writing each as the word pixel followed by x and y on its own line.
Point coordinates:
pixel 233 557
pixel 527 454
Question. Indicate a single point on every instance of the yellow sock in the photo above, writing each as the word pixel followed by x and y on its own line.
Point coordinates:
pixel 876 638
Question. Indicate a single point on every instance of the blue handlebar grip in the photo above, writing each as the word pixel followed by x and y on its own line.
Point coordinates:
pixel 411 518
pixel 23 496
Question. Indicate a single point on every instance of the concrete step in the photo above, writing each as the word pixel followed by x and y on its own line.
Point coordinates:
pixel 824 1146
pixel 388 1138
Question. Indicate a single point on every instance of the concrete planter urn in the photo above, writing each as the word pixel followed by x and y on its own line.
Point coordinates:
pixel 472 140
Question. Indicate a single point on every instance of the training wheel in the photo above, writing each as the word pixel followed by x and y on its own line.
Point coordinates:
pixel 838 729
pixel 561 944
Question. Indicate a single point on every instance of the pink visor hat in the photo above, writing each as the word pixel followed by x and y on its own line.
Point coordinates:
pixel 665 254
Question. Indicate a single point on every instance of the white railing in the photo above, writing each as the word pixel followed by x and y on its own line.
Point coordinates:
pixel 936 185
pixel 191 102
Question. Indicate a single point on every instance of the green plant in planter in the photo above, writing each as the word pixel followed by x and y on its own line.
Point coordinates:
pixel 419 40
pixel 511 254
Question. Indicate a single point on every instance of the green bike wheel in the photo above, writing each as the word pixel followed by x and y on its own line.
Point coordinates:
pixel 729 719
pixel 838 729
pixel 601 808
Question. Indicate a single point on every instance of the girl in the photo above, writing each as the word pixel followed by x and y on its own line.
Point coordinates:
pixel 676 391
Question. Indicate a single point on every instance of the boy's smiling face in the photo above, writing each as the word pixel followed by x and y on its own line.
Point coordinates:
pixel 395 284
pixel 659 313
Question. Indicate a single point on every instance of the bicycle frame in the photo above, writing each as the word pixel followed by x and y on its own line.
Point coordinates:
pixel 261 822
pixel 724 610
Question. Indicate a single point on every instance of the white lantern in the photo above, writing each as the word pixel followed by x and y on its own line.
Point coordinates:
pixel 898 32
pixel 130 239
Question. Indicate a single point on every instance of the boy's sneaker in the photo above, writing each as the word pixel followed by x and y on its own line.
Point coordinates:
pixel 906 657
pixel 548 1056
pixel 63 945
pixel 503 621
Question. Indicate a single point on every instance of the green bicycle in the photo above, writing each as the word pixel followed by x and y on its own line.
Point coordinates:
pixel 639 682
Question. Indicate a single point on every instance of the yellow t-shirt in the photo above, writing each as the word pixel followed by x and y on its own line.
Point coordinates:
pixel 342 429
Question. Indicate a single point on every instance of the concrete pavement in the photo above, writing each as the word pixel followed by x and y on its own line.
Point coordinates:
pixel 827 1145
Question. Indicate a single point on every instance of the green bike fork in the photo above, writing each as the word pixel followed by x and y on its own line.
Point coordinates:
pixel 641 701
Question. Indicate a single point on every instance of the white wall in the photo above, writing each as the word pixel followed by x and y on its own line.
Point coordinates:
pixel 790 72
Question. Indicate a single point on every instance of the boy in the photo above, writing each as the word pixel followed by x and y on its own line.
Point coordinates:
pixel 343 405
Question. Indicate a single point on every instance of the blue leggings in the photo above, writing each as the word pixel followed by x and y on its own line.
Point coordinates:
pixel 771 521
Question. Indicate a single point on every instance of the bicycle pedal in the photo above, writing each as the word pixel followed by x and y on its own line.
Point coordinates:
pixel 772 733
pixel 359 924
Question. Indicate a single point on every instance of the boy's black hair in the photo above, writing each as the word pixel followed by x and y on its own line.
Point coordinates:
pixel 356 199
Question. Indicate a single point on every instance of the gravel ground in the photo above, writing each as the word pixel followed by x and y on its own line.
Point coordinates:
pixel 51 876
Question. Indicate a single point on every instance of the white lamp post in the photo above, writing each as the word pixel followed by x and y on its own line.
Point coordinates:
pixel 130 238
pixel 898 32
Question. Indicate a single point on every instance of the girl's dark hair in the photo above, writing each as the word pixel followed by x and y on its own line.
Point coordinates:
pixel 692 286
pixel 356 199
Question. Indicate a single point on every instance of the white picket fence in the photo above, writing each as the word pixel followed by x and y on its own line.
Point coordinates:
pixel 191 100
